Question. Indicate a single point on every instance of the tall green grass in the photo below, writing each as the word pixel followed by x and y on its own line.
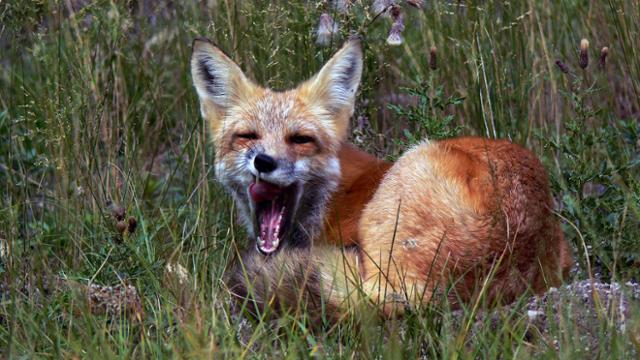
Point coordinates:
pixel 97 108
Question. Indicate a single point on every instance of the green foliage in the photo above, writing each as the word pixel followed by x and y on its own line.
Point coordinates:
pixel 428 118
pixel 598 170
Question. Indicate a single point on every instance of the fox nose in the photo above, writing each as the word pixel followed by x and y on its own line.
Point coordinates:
pixel 264 163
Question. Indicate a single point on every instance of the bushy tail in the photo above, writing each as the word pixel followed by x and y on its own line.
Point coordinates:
pixel 320 283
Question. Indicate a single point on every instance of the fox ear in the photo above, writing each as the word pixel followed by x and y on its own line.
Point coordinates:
pixel 219 81
pixel 335 86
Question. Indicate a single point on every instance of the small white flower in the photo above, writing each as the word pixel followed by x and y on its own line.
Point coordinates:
pixel 394 38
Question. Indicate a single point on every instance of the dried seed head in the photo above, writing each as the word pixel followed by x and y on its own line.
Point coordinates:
pixel 133 224
pixel 121 226
pixel 395 34
pixel 327 28
pixel 395 11
pixel 416 3
pixel 584 53
pixel 382 6
pixel 562 66
pixel 114 301
pixel 603 57
pixel 584 45
pixel 433 58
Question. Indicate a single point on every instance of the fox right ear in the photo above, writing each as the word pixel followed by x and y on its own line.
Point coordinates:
pixel 335 86
pixel 219 81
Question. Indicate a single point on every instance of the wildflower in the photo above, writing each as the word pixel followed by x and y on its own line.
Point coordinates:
pixel 326 29
pixel 395 34
pixel 433 58
pixel 584 53
pixel 603 57
pixel 562 66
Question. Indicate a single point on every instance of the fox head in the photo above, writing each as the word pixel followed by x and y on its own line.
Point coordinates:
pixel 277 151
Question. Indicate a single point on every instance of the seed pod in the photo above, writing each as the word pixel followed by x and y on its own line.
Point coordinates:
pixel 603 57
pixel 433 58
pixel 121 226
pixel 562 66
pixel 584 53
pixel 133 224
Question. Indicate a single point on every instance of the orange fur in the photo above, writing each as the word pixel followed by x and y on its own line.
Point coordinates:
pixel 459 210
pixel 361 175
pixel 469 210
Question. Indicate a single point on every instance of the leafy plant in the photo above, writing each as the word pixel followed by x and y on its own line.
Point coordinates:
pixel 597 173
pixel 430 117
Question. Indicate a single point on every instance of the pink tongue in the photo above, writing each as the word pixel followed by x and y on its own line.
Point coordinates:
pixel 271 214
pixel 262 191
pixel 270 226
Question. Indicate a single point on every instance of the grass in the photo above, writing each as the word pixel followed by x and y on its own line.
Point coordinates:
pixel 97 111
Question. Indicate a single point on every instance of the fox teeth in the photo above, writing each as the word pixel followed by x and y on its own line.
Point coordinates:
pixel 273 248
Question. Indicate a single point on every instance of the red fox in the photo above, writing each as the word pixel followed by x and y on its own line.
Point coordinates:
pixel 334 226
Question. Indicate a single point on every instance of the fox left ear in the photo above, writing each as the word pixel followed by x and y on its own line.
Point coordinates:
pixel 334 87
pixel 219 81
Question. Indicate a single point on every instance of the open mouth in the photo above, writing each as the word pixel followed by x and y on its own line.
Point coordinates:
pixel 273 205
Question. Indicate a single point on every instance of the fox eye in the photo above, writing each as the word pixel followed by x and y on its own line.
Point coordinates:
pixel 247 136
pixel 301 139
